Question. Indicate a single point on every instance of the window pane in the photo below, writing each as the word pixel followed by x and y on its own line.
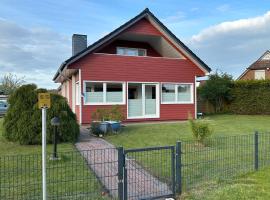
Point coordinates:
pixel 114 92
pixel 131 52
pixel 120 51
pixel 141 52
pixel 184 93
pixel 260 74
pixel 168 92
pixel 94 92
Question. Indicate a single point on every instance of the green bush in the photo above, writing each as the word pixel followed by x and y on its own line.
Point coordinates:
pixel 217 91
pixel 114 113
pixel 22 122
pixel 250 97
pixel 200 130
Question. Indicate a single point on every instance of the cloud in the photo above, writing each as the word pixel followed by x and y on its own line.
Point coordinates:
pixel 34 52
pixel 223 8
pixel 177 17
pixel 232 46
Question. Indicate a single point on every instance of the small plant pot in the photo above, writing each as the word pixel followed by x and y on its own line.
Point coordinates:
pixel 104 127
pixel 114 125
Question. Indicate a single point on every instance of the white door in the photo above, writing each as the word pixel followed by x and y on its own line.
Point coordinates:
pixel 143 100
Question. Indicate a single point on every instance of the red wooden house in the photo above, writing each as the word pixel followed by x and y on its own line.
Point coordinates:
pixel 141 66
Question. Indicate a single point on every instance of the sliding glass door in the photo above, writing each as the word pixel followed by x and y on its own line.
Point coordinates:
pixel 143 100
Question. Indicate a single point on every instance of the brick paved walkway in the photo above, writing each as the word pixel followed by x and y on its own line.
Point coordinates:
pixel 102 158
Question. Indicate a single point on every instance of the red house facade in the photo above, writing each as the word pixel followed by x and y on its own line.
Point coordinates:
pixel 141 66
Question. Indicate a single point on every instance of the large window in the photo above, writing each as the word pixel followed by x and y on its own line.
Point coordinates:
pixel 131 51
pixel 177 93
pixel 104 93
pixel 168 92
pixel 259 74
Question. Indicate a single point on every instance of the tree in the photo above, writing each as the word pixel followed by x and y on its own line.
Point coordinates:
pixel 9 83
pixel 216 90
pixel 22 122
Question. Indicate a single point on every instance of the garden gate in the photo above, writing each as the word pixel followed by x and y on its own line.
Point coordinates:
pixel 146 173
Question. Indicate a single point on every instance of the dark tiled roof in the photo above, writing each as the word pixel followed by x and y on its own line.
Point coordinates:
pixel 260 64
pixel 114 33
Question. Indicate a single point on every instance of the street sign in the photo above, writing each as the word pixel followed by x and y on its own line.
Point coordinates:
pixel 44 100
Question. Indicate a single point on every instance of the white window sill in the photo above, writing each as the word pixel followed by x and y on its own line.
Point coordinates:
pixel 103 104
pixel 177 102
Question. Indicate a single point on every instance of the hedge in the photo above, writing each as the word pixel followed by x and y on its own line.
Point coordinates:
pixel 250 97
pixel 22 122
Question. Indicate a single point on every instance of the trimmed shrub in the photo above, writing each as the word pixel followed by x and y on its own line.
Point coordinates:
pixel 115 113
pixel 22 122
pixel 200 130
pixel 251 97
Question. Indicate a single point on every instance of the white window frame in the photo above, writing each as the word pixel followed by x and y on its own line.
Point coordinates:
pixel 176 94
pixel 105 92
pixel 145 51
pixel 77 93
pixel 260 71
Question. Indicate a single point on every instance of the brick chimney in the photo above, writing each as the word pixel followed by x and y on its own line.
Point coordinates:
pixel 79 43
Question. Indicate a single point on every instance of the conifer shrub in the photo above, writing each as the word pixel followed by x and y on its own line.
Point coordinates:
pixel 22 122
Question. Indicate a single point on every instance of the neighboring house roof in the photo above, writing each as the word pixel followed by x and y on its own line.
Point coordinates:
pixel 262 63
pixel 116 32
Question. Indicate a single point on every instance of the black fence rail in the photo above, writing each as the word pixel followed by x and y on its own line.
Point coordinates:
pixel 144 173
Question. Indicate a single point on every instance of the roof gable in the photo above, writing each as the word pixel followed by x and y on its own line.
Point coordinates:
pixel 265 56
pixel 262 63
pixel 143 27
pixel 156 28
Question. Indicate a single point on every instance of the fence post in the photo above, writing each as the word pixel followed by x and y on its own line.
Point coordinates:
pixel 256 152
pixel 120 172
pixel 125 178
pixel 178 168
pixel 173 169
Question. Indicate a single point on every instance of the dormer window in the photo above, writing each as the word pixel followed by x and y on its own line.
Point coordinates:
pixel 125 51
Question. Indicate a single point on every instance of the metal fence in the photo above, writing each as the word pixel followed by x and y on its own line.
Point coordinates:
pixel 118 173
pixel 72 177
pixel 223 158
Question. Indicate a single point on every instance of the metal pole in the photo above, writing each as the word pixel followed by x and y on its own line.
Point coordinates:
pixel 44 192
pixel 120 172
pixel 173 170
pixel 256 152
pixel 54 143
pixel 178 168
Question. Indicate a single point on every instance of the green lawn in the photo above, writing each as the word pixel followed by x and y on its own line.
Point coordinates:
pixel 20 173
pixel 142 135
pixel 221 158
pixel 251 186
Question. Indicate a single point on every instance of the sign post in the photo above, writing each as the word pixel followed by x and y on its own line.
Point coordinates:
pixel 44 102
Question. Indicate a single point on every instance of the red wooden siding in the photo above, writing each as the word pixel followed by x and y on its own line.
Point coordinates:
pixel 106 67
pixel 111 48
pixel 167 112
pixel 143 27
